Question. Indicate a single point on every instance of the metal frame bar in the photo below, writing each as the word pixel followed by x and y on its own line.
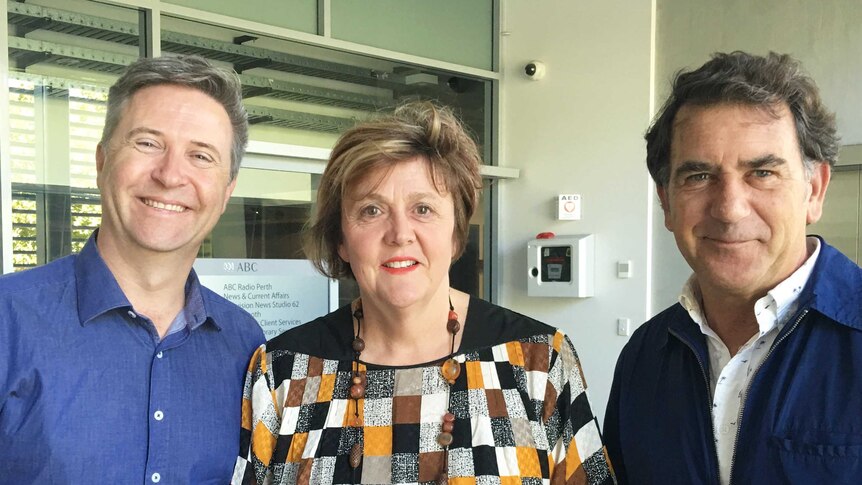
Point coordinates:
pixel 324 18
pixel 491 263
pixel 5 146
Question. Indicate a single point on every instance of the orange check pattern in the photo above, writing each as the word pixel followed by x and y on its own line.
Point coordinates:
pixel 522 417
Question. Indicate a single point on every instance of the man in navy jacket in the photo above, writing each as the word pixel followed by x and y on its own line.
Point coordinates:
pixel 754 376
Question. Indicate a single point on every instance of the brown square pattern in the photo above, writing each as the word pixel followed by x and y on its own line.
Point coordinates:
pixel 406 409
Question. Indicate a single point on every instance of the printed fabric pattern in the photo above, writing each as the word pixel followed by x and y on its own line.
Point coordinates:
pixel 522 417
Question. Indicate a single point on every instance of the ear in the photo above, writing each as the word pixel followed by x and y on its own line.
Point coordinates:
pixel 227 193
pixel 820 177
pixel 663 198
pixel 100 163
pixel 342 253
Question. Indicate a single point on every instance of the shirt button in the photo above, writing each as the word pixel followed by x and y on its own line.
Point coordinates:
pixel 159 415
pixel 159 355
pixel 133 314
pixel 156 478
pixel 725 429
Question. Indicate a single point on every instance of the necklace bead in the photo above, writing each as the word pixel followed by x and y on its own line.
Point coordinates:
pixel 444 439
pixel 357 391
pixel 356 455
pixel 450 369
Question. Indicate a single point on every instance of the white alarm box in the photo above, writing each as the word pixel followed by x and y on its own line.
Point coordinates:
pixel 562 266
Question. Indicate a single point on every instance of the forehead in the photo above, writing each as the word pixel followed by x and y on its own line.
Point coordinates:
pixel 733 130
pixel 172 102
pixel 412 174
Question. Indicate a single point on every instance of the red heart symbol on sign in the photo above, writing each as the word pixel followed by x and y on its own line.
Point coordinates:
pixel 569 206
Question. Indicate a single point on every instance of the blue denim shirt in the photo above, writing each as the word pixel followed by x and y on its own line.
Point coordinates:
pixel 90 394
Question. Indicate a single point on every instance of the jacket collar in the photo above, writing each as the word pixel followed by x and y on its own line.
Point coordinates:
pixel 835 288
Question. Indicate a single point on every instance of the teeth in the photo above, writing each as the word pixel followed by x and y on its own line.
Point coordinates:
pixel 168 207
pixel 399 264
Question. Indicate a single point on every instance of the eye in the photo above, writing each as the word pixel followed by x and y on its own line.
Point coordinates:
pixel 370 211
pixel 146 144
pixel 423 210
pixel 763 173
pixel 203 157
pixel 697 178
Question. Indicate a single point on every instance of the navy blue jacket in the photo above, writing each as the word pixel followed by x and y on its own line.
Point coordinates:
pixel 802 418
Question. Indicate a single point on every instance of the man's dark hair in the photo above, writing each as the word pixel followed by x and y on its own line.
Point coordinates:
pixel 770 82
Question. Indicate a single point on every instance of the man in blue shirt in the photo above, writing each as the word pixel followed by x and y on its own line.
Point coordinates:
pixel 116 365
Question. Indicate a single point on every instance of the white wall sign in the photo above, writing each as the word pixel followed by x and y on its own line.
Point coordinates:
pixel 569 207
pixel 279 293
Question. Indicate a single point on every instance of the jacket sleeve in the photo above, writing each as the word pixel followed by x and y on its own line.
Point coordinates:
pixel 261 420
pixel 612 424
pixel 577 453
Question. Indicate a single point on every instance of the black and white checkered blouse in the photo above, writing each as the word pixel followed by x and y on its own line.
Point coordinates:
pixel 522 416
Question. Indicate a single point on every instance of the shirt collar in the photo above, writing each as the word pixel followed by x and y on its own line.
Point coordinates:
pixel 98 290
pixel 772 309
pixel 195 312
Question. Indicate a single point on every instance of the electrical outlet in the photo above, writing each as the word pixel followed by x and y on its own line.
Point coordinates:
pixel 623 327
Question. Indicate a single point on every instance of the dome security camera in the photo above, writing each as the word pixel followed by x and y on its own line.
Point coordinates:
pixel 535 70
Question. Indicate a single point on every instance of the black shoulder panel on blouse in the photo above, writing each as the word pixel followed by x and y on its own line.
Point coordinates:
pixel 487 325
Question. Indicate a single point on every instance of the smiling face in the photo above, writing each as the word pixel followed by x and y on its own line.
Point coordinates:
pixel 399 234
pixel 738 199
pixel 164 176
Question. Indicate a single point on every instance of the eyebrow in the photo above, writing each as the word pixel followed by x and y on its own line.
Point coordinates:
pixel 690 166
pixel 764 161
pixel 371 196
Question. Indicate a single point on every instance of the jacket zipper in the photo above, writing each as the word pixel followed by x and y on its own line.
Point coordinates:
pixel 708 401
pixel 748 387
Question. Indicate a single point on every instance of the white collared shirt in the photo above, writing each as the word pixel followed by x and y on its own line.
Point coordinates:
pixel 730 376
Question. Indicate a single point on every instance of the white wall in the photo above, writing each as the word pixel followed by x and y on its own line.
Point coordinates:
pixel 579 130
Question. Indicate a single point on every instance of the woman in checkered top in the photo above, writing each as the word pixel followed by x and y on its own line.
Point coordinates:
pixel 414 382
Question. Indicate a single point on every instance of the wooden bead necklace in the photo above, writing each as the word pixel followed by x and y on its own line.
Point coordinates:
pixel 450 370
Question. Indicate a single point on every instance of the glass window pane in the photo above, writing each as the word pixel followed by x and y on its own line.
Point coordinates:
pixel 449 30
pixel 63 55
pixel 298 15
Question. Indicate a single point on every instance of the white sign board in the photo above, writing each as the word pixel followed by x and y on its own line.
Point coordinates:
pixel 569 207
pixel 279 293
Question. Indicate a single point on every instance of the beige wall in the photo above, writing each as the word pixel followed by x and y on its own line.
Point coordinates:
pixel 578 130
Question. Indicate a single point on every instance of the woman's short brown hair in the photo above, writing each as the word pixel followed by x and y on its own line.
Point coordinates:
pixel 414 129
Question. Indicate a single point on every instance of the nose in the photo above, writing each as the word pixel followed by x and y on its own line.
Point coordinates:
pixel 170 169
pixel 730 201
pixel 400 231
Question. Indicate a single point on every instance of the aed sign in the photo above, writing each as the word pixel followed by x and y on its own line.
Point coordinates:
pixel 569 207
